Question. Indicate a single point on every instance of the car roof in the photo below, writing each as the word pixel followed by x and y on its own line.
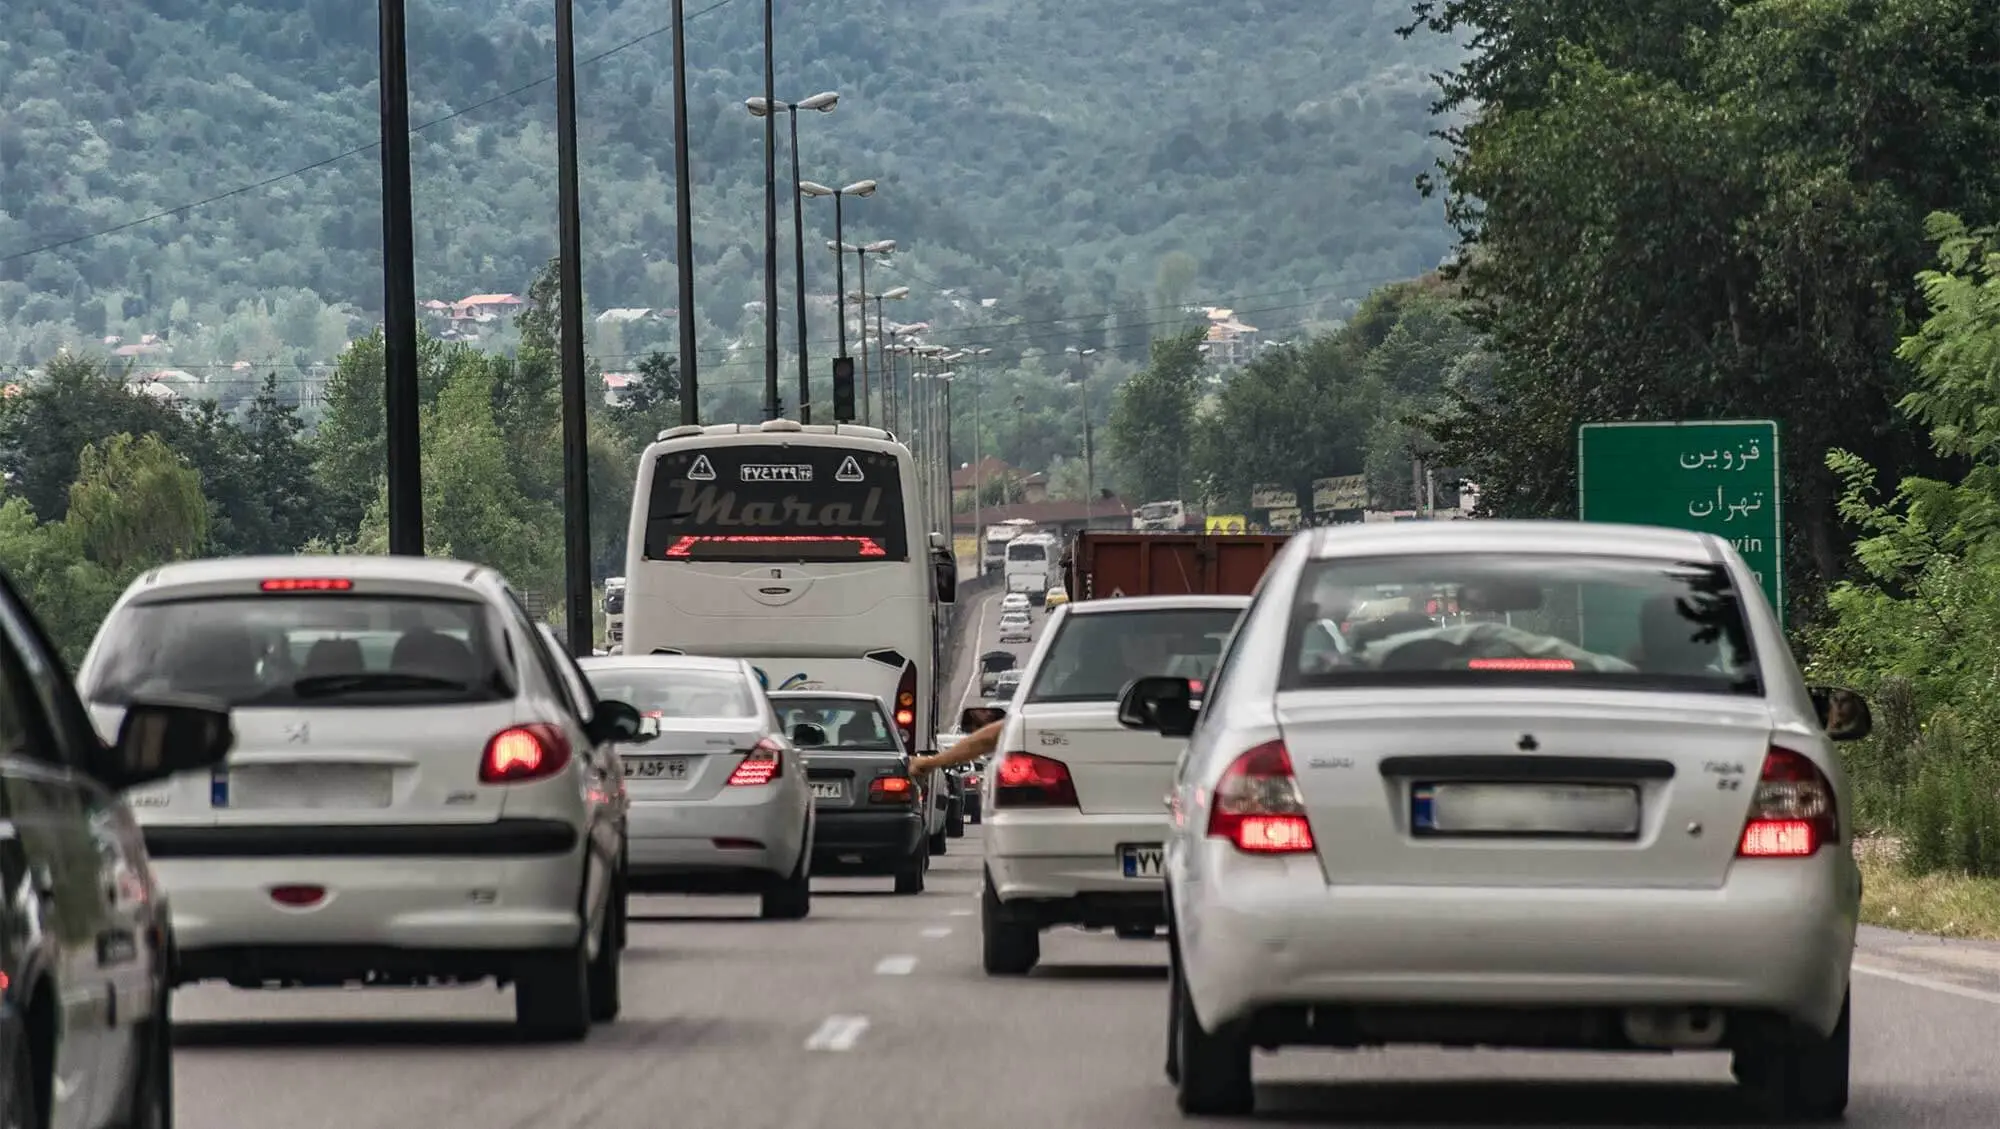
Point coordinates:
pixel 1525 537
pixel 1115 605
pixel 662 662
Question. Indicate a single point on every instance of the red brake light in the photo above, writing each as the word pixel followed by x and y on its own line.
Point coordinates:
pixel 906 707
pixel 525 752
pixel 1792 814
pixel 891 790
pixel 1521 664
pixel 1257 805
pixel 764 764
pixel 863 546
pixel 1026 780
pixel 307 584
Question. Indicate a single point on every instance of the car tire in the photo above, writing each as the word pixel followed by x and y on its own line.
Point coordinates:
pixel 1173 1067
pixel 1214 1067
pixel 1007 948
pixel 791 899
pixel 17 1089
pixel 152 1100
pixel 552 996
pixel 910 875
pixel 1800 1077
pixel 954 823
pixel 607 971
pixel 938 843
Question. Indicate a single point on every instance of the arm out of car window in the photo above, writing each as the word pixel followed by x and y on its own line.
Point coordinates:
pixel 979 743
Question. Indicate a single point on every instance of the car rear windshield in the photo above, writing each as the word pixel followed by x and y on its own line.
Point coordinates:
pixel 850 726
pixel 668 692
pixel 1477 620
pixel 1094 656
pixel 318 650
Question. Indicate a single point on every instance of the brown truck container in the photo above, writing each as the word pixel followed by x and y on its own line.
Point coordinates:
pixel 1102 564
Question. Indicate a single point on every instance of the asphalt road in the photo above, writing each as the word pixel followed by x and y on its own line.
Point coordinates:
pixel 873 1014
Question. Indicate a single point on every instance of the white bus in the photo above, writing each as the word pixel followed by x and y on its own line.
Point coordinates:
pixel 614 613
pixel 803 549
pixel 1034 564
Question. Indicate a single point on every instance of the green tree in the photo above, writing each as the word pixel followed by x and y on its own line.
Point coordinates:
pixel 278 472
pixel 1292 415
pixel 76 404
pixel 1152 420
pixel 136 504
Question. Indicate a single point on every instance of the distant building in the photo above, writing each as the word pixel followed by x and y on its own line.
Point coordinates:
pixel 1228 342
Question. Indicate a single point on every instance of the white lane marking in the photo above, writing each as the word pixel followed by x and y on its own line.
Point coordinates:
pixel 961 913
pixel 978 648
pixel 896 966
pixel 838 1033
pixel 1945 986
pixel 936 931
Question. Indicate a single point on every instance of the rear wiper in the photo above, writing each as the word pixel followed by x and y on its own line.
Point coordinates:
pixel 365 681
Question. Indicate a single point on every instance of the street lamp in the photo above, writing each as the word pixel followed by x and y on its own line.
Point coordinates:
pixel 972 356
pixel 861 253
pixel 1089 461
pixel 824 102
pixel 858 188
pixel 881 333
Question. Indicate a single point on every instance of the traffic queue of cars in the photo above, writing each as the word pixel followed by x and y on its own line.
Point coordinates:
pixel 1539 785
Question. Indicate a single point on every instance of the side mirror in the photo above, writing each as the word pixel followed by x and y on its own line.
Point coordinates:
pixel 617 723
pixel 979 717
pixel 1843 713
pixel 1159 703
pixel 806 735
pixel 163 735
pixel 946 569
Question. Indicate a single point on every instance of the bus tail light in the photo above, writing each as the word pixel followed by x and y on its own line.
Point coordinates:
pixel 906 708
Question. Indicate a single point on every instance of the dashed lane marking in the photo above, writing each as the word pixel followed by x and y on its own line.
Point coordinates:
pixel 896 966
pixel 837 1033
pixel 937 931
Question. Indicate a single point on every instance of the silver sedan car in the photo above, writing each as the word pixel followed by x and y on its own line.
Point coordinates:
pixel 719 800
pixel 1594 807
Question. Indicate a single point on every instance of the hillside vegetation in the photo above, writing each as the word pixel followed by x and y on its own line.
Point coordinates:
pixel 1046 154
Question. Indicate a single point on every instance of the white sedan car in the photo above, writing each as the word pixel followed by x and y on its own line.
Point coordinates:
pixel 1016 627
pixel 1014 602
pixel 1076 824
pixel 1596 809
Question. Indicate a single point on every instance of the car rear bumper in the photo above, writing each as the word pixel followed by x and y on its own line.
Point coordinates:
pixel 710 844
pixel 436 905
pixel 1060 857
pixel 866 838
pixel 1778 938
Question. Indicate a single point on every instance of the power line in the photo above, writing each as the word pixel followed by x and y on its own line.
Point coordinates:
pixel 242 189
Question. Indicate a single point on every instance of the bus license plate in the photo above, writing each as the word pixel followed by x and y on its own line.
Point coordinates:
pixel 656 768
pixel 1142 860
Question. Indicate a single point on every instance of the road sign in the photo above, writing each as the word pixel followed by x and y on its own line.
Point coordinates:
pixel 1227 523
pixel 1345 492
pixel 1722 478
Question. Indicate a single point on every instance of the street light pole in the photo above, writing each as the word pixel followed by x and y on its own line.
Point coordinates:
pixel 400 394
pixel 824 102
pixel 770 218
pixel 858 188
pixel 569 270
pixel 684 220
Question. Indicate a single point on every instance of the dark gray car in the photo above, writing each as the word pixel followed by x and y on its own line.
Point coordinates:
pixel 873 816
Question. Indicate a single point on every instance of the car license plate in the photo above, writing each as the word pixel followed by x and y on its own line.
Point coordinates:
pixel 656 768
pixel 1582 810
pixel 828 790
pixel 308 786
pixel 1142 860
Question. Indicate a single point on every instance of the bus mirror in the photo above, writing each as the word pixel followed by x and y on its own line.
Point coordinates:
pixel 947 581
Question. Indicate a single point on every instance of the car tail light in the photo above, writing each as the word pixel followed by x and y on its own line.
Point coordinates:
pixel 1793 812
pixel 1257 804
pixel 764 764
pixel 892 790
pixel 307 584
pixel 906 707
pixel 524 752
pixel 1029 781
pixel 1520 664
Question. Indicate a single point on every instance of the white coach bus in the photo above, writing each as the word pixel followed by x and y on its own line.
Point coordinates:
pixel 803 549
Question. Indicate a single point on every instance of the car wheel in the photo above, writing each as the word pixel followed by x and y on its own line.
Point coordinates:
pixel 791 900
pixel 17 1089
pixel 1173 1013
pixel 1007 948
pixel 152 1103
pixel 1214 1067
pixel 606 971
pixel 954 823
pixel 910 875
pixel 939 842
pixel 552 996
pixel 1803 1077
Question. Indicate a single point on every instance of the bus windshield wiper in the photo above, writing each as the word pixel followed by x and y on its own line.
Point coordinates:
pixel 366 681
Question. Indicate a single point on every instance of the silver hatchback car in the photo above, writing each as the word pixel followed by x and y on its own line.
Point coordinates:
pixel 720 802
pixel 1592 807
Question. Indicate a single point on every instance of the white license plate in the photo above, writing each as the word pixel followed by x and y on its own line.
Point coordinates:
pixel 656 768
pixel 1142 860
pixel 309 786
pixel 828 791
pixel 1525 809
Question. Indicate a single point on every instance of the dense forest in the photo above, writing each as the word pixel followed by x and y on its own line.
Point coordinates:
pixel 1050 157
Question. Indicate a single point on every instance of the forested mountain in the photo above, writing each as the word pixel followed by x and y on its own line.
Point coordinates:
pixel 1047 154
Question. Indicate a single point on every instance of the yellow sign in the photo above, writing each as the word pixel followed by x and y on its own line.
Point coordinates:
pixel 965 548
pixel 1227 523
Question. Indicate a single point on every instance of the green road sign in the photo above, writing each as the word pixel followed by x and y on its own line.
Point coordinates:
pixel 1720 478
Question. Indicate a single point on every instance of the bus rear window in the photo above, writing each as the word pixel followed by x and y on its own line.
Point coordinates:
pixel 776 503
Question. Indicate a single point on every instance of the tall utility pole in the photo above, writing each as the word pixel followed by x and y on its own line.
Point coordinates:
pixel 799 272
pixel 684 219
pixel 400 396
pixel 770 220
pixel 569 272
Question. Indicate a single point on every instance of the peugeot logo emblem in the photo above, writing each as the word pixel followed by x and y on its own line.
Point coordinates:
pixel 298 733
pixel 1527 743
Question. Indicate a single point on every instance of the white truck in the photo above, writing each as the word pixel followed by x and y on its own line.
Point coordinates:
pixel 993 544
pixel 1153 517
pixel 614 614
